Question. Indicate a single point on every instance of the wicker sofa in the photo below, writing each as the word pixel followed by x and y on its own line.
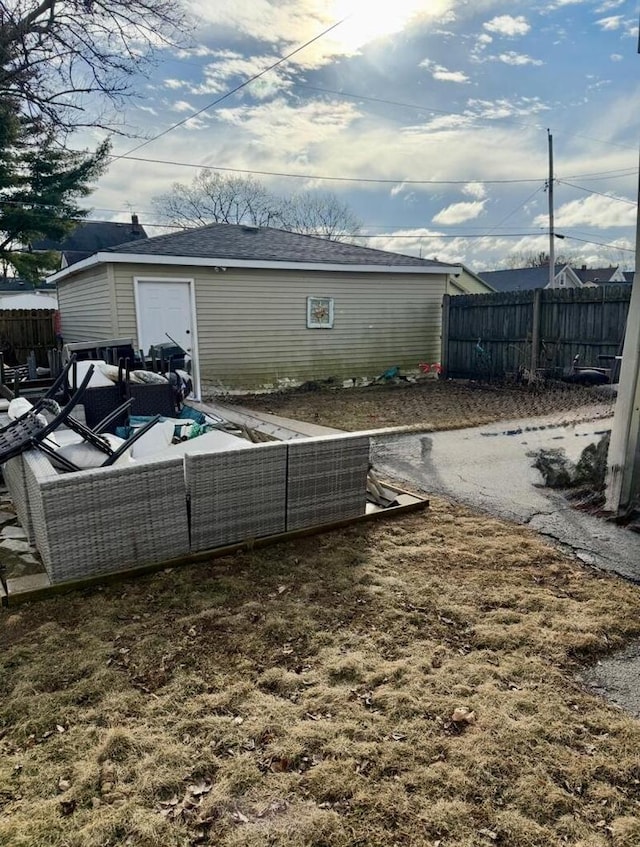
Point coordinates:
pixel 101 521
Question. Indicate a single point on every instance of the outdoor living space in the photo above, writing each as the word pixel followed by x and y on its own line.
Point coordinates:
pixel 416 680
pixel 84 512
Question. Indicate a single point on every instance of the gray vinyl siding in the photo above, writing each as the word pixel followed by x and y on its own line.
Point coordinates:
pixel 252 328
pixel 86 306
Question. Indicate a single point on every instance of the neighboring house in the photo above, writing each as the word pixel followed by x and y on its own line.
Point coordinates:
pixel 91 236
pixel 260 307
pixel 628 276
pixel 524 279
pixel 16 293
pixel 600 276
pixel 468 283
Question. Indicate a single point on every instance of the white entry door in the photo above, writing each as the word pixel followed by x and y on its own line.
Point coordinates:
pixel 165 315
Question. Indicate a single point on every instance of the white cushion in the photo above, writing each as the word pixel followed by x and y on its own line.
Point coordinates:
pixel 85 455
pixel 154 441
pixel 98 378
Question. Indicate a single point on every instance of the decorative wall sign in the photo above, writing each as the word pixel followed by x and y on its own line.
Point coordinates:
pixel 319 312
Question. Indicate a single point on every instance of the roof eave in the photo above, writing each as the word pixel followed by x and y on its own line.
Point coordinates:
pixel 195 261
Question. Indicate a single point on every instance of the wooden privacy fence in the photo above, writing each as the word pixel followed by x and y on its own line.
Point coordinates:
pixel 489 336
pixel 24 330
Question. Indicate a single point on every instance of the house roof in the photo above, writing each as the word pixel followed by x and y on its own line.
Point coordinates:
pixel 518 279
pixel 15 284
pixel 629 275
pixel 90 237
pixel 595 274
pixel 234 241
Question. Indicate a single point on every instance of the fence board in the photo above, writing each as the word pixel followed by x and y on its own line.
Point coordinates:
pixel 24 330
pixel 490 335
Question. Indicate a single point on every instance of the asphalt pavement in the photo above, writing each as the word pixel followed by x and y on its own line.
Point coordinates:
pixel 490 468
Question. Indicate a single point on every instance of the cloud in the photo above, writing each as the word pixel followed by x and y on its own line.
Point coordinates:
pixel 594 211
pixel 289 23
pixel 608 5
pixel 512 58
pixel 183 106
pixel 458 213
pixel 281 127
pixel 174 83
pixel 616 57
pixel 508 26
pixel 505 108
pixel 196 123
pixel 231 68
pixel 610 23
pixel 441 73
pixel 475 189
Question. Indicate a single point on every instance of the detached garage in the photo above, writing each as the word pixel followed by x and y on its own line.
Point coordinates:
pixel 259 307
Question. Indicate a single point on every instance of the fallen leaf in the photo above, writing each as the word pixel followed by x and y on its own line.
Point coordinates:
pixel 67 807
pixel 398 736
pixel 463 715
pixel 60 728
pixel 200 788
pixel 64 784
pixel 239 817
pixel 489 833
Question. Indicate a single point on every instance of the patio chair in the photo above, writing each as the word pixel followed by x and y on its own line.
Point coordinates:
pixel 28 431
pixel 41 404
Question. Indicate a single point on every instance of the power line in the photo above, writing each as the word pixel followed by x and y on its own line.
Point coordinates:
pixel 468 115
pixel 396 181
pixel 598 176
pixel 601 244
pixel 235 89
pixel 332 178
pixel 599 193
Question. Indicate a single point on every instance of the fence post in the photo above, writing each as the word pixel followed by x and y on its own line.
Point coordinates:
pixel 535 332
pixel 444 340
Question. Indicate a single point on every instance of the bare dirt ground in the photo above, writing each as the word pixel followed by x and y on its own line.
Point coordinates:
pixel 405 682
pixel 429 404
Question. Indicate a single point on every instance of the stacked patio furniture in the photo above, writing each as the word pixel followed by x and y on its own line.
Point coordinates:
pixel 112 519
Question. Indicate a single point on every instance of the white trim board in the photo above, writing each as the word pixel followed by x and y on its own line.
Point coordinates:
pixel 223 264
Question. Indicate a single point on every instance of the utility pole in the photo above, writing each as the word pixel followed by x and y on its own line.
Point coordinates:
pixel 552 256
pixel 623 461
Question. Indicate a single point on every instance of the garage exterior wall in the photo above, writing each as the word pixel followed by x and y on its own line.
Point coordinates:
pixel 86 306
pixel 252 324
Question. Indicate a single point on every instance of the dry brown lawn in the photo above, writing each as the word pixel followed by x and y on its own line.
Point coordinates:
pixel 429 404
pixel 304 694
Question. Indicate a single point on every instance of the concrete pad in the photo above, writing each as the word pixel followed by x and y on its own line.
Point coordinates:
pixel 23 588
pixel 283 429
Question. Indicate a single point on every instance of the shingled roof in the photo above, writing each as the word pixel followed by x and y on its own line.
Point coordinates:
pixel 264 244
pixel 90 237
pixel 518 279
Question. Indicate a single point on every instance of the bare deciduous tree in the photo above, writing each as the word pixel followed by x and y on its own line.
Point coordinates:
pixel 216 198
pixel 321 214
pixel 540 260
pixel 220 198
pixel 56 54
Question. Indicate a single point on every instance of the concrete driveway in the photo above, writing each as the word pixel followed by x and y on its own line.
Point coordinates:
pixel 489 468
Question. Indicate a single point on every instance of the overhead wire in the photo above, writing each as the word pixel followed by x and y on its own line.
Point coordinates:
pixel 235 89
pixel 599 193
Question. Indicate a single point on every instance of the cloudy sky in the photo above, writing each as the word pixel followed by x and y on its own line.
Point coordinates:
pixel 429 117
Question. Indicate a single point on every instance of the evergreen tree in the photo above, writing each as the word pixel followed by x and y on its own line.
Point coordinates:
pixel 40 186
